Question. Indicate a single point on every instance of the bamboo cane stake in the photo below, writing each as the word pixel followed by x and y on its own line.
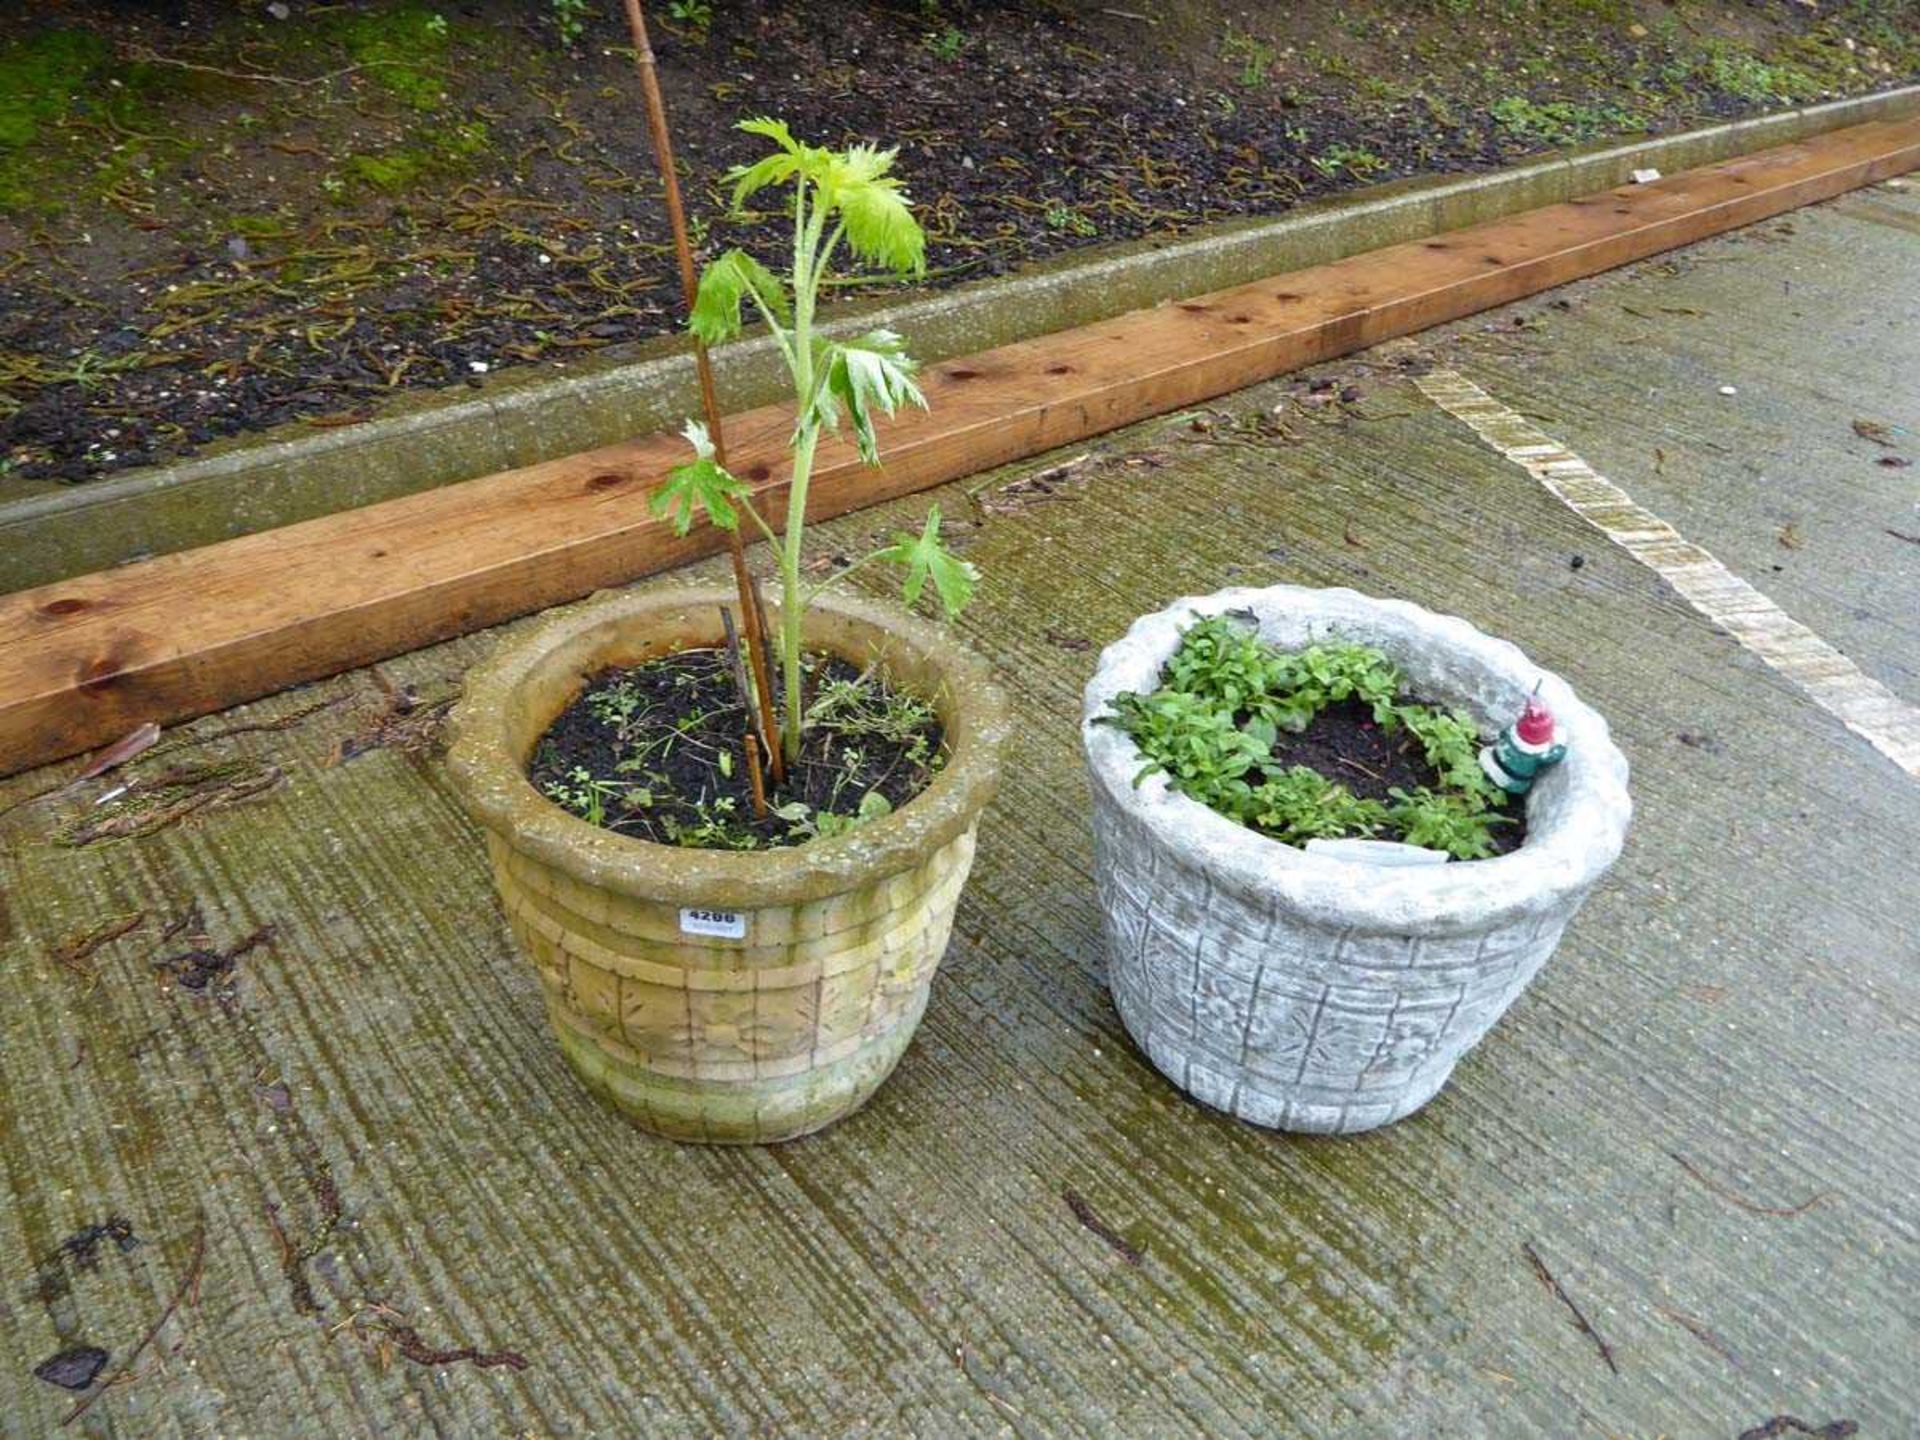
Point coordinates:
pixel 754 622
pixel 766 643
pixel 734 648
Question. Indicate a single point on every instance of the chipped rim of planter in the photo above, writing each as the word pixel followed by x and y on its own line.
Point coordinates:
pixel 511 698
pixel 1577 814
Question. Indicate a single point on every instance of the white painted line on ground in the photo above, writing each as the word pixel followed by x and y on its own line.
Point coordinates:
pixel 1834 682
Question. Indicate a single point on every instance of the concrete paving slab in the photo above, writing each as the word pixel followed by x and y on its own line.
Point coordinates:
pixel 1813 335
pixel 1698 1119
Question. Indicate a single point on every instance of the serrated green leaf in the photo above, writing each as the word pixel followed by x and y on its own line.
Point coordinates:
pixel 771 129
pixel 700 485
pixel 865 375
pixel 857 184
pixel 748 180
pixel 863 164
pixel 926 557
pixel 793 159
pixel 790 159
pixel 880 227
pixel 724 286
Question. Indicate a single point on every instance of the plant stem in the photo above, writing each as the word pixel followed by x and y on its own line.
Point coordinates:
pixel 809 263
pixel 792 601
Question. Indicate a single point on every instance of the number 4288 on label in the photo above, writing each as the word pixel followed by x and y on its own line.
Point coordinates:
pixel 721 924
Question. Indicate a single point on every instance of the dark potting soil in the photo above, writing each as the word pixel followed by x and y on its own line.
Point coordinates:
pixel 1344 743
pixel 639 752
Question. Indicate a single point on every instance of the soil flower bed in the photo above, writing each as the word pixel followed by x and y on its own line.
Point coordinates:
pixel 1321 743
pixel 218 219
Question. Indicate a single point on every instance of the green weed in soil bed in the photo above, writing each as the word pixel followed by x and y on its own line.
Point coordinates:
pixel 654 751
pixel 1322 743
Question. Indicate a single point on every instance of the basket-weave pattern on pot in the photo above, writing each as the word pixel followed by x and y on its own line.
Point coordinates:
pixel 1306 993
pixel 1298 1027
pixel 789 1014
pixel 761 1038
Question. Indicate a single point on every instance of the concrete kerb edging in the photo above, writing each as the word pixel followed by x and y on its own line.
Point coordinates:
pixel 297 473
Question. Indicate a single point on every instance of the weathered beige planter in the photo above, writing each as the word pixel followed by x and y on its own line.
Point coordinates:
pixel 732 997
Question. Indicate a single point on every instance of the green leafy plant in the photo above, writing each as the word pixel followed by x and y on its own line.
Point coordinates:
pixel 588 798
pixel 1064 217
pixel 1255 57
pixel 1300 804
pixel 862 707
pixel 947 44
pixel 1751 78
pixel 1198 744
pixel 696 15
pixel 1556 122
pixel 838 198
pixel 1225 661
pixel 1214 727
pixel 1312 679
pixel 1460 824
pixel 1356 161
pixel 716 827
pixel 811 824
pixel 570 19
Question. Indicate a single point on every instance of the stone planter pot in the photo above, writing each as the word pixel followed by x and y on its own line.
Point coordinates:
pixel 732 997
pixel 1321 995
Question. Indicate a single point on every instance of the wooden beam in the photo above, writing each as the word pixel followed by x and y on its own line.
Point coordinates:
pixel 85 660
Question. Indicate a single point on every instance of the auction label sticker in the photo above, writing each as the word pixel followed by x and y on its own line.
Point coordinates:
pixel 721 924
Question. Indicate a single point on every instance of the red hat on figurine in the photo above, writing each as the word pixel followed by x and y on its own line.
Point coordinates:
pixel 1535 725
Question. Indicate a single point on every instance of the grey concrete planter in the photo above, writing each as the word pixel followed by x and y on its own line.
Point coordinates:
pixel 1321 995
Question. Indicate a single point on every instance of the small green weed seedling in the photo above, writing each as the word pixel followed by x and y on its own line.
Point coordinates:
pixel 1356 161
pixel 695 15
pixel 570 20
pixel 587 797
pixel 1220 723
pixel 1064 217
pixel 947 44
pixel 1557 123
pixel 838 198
pixel 1255 57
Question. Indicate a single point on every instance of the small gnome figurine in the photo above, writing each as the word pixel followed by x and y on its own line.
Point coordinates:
pixel 1524 749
